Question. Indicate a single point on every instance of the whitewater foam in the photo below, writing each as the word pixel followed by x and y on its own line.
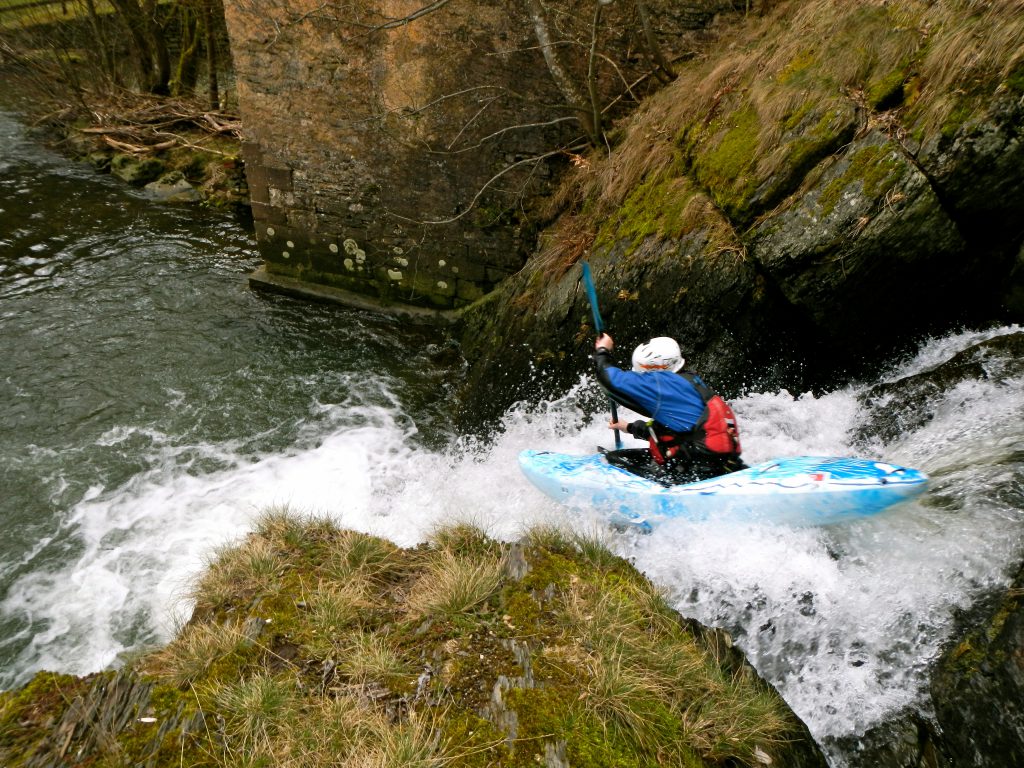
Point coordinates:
pixel 843 620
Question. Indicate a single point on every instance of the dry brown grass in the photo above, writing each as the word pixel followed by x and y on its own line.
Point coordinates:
pixel 736 720
pixel 804 63
pixel 568 243
pixel 971 45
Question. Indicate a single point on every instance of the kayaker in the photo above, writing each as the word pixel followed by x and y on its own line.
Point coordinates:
pixel 691 432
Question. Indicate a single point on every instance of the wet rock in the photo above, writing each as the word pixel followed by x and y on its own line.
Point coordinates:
pixel 848 249
pixel 905 741
pixel 172 187
pixel 907 404
pixel 976 687
pixel 137 171
pixel 533 337
pixel 976 171
pixel 100 161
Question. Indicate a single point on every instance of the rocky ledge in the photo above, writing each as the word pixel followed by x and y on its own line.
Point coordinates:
pixel 313 646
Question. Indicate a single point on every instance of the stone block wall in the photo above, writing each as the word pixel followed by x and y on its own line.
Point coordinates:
pixel 366 152
pixel 398 149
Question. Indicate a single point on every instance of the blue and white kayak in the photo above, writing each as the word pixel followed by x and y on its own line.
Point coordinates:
pixel 803 490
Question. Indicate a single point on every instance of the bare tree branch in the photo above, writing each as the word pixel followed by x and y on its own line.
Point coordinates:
pixel 472 203
pixel 595 99
pixel 501 132
pixel 425 10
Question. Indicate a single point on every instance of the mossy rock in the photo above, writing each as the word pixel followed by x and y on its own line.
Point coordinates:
pixel 848 244
pixel 100 161
pixel 172 187
pixel 976 686
pixel 137 171
pixel 312 645
pixel 749 162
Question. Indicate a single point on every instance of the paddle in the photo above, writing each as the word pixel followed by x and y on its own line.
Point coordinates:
pixel 588 286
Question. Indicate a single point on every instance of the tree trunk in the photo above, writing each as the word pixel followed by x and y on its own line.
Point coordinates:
pixel 107 62
pixel 161 58
pixel 211 52
pixel 131 16
pixel 595 98
pixel 562 79
pixel 184 81
pixel 661 64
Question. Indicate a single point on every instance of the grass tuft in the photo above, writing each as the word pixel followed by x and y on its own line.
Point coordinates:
pixel 453 585
pixel 194 651
pixel 333 610
pixel 465 537
pixel 413 744
pixel 369 658
pixel 239 574
pixel 360 555
pixel 255 711
pixel 594 548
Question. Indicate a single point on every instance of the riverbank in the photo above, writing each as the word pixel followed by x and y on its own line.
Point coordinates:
pixel 75 74
pixel 171 147
pixel 156 405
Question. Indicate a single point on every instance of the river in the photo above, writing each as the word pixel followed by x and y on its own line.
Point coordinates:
pixel 154 406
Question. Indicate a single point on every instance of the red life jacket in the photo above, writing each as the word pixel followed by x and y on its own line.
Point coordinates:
pixel 716 431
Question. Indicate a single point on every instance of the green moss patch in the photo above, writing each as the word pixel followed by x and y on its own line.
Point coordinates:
pixel 725 156
pixel 667 207
pixel 876 168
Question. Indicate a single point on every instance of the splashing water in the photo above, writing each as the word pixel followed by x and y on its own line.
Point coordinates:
pixel 158 407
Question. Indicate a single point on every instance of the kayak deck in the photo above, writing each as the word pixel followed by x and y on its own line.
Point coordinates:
pixel 803 490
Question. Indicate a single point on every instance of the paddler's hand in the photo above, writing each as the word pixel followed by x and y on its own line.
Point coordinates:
pixel 604 341
pixel 622 426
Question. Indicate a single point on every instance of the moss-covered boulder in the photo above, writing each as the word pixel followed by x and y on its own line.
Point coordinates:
pixel 172 187
pixel 314 646
pixel 864 244
pixel 827 179
pixel 137 171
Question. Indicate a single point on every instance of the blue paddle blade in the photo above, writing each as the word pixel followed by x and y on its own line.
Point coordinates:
pixel 588 286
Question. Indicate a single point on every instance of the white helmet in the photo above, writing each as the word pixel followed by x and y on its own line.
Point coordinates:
pixel 659 354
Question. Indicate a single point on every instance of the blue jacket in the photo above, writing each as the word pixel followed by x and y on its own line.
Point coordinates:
pixel 664 396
